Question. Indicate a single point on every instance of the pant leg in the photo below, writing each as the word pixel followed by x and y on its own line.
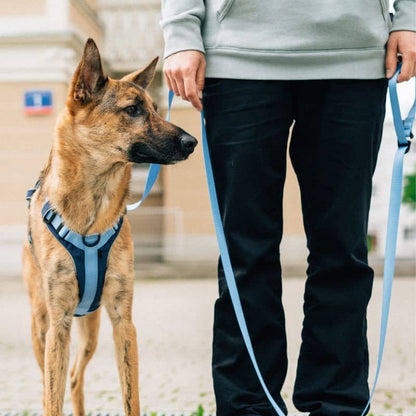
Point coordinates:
pixel 334 149
pixel 247 128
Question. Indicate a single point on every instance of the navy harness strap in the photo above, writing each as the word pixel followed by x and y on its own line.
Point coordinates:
pixel 30 193
pixel 89 254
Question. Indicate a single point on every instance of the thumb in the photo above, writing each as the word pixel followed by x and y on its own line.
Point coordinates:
pixel 391 58
pixel 200 79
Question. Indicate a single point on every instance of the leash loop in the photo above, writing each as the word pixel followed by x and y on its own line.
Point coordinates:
pixel 403 127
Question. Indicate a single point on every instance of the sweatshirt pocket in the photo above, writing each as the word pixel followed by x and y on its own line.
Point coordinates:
pixel 296 25
pixel 224 9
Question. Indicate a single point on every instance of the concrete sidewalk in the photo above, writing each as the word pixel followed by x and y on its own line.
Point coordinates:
pixel 174 323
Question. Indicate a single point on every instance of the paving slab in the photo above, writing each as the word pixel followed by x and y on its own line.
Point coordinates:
pixel 174 325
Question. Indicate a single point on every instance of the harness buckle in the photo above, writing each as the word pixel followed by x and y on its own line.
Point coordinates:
pixel 408 144
pixel 49 218
pixel 408 134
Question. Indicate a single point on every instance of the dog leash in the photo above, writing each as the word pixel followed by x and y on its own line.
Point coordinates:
pixel 404 134
pixel 225 257
pixel 226 263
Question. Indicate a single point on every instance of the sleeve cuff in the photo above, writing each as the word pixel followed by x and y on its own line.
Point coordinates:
pixel 405 16
pixel 182 35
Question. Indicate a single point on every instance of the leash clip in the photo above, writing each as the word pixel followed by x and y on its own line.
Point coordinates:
pixel 408 134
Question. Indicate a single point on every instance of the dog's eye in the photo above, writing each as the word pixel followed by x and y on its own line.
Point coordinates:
pixel 132 110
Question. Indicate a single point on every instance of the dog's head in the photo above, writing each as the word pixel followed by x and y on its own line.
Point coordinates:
pixel 119 118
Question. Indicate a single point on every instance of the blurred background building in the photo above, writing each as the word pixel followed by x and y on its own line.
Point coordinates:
pixel 41 42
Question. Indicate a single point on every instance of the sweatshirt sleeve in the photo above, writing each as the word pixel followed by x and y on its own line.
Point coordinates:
pixel 405 15
pixel 181 24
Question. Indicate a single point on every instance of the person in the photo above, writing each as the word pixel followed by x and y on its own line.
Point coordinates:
pixel 258 69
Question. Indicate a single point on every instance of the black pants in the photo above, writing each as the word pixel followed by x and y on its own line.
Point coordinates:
pixel 335 140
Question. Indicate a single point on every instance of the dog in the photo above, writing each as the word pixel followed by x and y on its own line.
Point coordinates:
pixel 107 126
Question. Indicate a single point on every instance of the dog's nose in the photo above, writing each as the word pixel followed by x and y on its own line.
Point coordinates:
pixel 188 142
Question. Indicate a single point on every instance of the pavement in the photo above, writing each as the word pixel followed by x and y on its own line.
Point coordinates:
pixel 174 325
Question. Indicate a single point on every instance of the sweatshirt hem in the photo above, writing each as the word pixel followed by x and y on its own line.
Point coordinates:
pixel 297 65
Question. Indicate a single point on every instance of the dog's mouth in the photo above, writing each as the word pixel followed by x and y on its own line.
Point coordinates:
pixel 164 152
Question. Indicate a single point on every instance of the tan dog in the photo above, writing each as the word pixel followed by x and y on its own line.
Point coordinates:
pixel 107 125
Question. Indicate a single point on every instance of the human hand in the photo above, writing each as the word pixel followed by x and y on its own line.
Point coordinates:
pixel 401 42
pixel 185 75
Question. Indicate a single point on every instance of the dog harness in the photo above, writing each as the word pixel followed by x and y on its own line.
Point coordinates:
pixel 89 254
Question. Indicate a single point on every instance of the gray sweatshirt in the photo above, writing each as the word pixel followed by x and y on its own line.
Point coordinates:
pixel 286 39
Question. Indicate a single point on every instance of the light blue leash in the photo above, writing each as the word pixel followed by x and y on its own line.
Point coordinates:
pixel 225 258
pixel 404 134
pixel 226 263
pixel 403 131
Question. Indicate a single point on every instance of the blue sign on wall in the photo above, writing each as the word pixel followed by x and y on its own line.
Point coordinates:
pixel 38 102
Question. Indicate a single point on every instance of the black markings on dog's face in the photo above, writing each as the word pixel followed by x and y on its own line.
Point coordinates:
pixel 129 127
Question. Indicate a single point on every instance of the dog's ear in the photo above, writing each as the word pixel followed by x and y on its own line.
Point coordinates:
pixel 143 77
pixel 89 77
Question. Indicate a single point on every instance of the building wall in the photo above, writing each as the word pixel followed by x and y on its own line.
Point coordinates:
pixel 25 145
pixel 22 7
pixel 40 45
pixel 84 20
pixel 41 42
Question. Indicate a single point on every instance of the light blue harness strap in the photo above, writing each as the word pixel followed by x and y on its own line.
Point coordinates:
pixel 403 132
pixel 90 282
pixel 153 169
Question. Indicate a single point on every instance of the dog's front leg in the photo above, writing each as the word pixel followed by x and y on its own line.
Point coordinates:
pixel 61 307
pixel 124 333
pixel 128 365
